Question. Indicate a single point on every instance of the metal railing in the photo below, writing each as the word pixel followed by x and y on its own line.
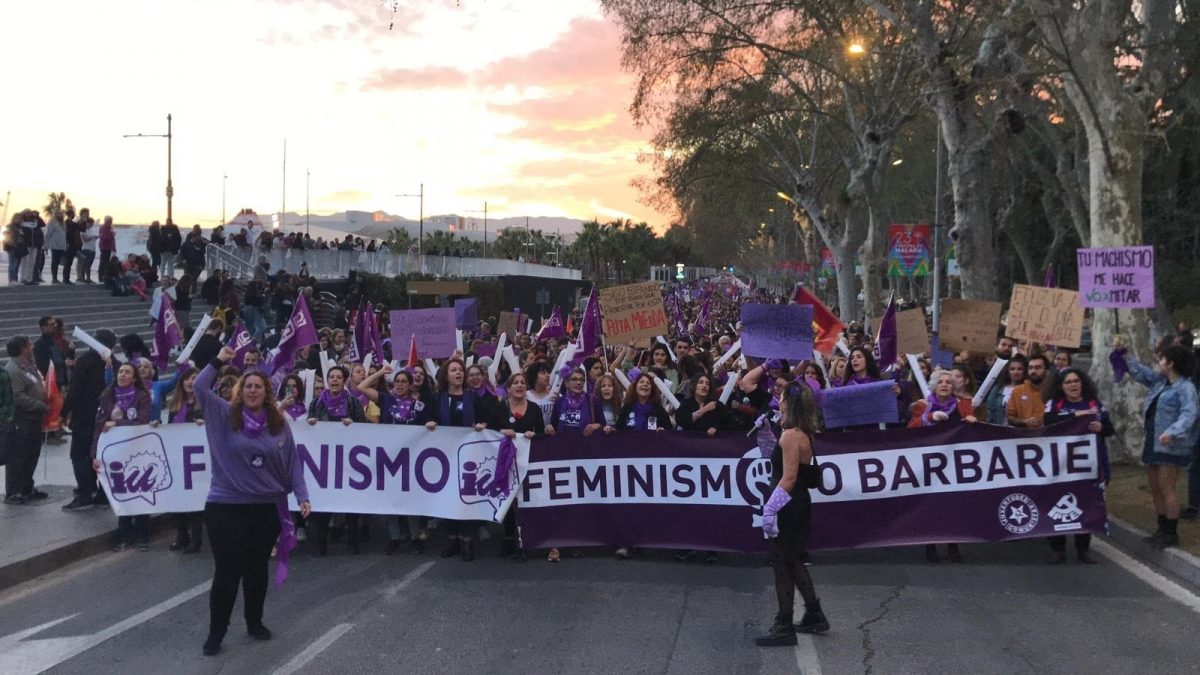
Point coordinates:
pixel 241 262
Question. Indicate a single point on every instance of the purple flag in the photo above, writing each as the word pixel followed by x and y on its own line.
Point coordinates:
pixel 1050 281
pixel 297 334
pixel 1116 358
pixel 702 319
pixel 361 344
pixel 376 343
pixel 589 326
pixel 166 333
pixel 553 328
pixel 240 342
pixel 677 310
pixel 887 338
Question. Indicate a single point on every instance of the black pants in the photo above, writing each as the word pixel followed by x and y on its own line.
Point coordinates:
pixel 56 258
pixel 81 462
pixel 463 529
pixel 68 260
pixel 790 574
pixel 1058 543
pixel 24 451
pixel 133 529
pixel 104 257
pixel 156 260
pixel 241 537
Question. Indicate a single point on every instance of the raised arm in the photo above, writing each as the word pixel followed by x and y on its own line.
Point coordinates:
pixel 216 409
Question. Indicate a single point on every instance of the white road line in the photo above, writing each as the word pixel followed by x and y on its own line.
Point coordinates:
pixel 326 641
pixel 303 658
pixel 1164 585
pixel 806 655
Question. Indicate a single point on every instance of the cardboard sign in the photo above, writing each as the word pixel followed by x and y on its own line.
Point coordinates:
pixel 1116 277
pixel 507 325
pixel 872 403
pixel 433 328
pixel 1047 315
pixel 438 287
pixel 466 314
pixel 633 312
pixel 912 333
pixel 969 325
pixel 777 331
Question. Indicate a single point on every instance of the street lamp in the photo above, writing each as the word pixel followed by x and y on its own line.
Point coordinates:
pixel 421 220
pixel 485 224
pixel 168 136
pixel 224 180
pixel 783 195
pixel 856 48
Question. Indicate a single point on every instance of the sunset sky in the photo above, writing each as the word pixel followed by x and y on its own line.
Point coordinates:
pixel 521 103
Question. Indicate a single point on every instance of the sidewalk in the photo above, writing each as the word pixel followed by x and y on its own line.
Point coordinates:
pixel 40 537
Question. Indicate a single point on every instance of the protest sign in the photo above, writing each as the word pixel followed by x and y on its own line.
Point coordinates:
pixel 433 328
pixel 872 403
pixel 1046 315
pixel 1116 277
pixel 507 325
pixel 969 325
pixel 777 331
pixel 392 469
pixel 633 312
pixel 946 483
pixel 912 332
pixel 466 314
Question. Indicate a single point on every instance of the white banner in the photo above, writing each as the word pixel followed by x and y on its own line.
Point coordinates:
pixel 363 468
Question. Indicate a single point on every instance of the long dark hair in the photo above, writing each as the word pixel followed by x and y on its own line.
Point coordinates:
pixel 712 396
pixel 275 423
pixel 283 388
pixel 872 367
pixel 1087 389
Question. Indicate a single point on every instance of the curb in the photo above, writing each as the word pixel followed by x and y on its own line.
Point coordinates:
pixel 21 571
pixel 1180 563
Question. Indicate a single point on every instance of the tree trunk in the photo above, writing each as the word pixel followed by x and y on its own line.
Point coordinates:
pixel 972 229
pixel 843 259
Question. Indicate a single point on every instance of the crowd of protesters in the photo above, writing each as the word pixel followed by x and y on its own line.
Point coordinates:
pixel 670 385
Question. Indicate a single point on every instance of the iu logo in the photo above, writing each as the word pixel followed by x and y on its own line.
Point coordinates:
pixel 477 480
pixel 136 468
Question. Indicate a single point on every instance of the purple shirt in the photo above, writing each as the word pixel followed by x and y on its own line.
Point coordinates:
pixel 247 470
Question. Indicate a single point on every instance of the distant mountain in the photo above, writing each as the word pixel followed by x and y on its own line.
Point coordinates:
pixel 377 224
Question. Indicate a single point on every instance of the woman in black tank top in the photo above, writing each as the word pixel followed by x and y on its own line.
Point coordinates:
pixel 787 514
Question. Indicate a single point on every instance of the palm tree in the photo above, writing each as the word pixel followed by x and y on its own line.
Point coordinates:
pixel 58 201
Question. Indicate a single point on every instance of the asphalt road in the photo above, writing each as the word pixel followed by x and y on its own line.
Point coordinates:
pixel 1003 611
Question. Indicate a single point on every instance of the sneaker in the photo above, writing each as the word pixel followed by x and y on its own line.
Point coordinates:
pixel 120 547
pixel 78 504
pixel 101 501
pixel 36 496
pixel 143 546
pixel 15 500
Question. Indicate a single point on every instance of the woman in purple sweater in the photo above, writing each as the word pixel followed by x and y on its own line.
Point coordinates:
pixel 255 466
pixel 124 403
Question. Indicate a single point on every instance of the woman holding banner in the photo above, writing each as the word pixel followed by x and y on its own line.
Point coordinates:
pixel 941 406
pixel 124 403
pixel 183 408
pixel 1074 395
pixel 1171 430
pixel 574 410
pixel 786 517
pixel 518 415
pixel 456 406
pixel 254 467
pixel 335 404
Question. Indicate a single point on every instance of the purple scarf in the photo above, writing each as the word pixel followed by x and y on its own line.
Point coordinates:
pixel 253 423
pixel 336 405
pixel 860 379
pixel 574 403
pixel 181 415
pixel 296 410
pixel 401 410
pixel 934 405
pixel 124 396
pixel 641 413
pixel 287 542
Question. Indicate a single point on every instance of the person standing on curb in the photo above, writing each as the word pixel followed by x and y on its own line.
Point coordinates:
pixel 79 414
pixel 29 407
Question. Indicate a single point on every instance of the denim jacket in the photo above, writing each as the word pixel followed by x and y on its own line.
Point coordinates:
pixel 1177 408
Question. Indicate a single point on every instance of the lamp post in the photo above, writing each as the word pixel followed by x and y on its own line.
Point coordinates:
pixel 168 136
pixel 224 180
pixel 421 220
pixel 307 178
pixel 485 226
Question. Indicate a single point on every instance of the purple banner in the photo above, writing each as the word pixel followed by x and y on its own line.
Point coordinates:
pixel 951 483
pixel 871 403
pixel 466 314
pixel 777 331
pixel 1116 277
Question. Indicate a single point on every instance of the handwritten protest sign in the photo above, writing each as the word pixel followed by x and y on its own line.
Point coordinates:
pixel 633 312
pixel 1116 277
pixel 1047 315
pixel 466 314
pixel 507 325
pixel 912 332
pixel 872 403
pixel 433 328
pixel 777 331
pixel 969 325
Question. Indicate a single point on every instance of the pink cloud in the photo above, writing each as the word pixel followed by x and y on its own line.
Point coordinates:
pixel 429 77
pixel 588 51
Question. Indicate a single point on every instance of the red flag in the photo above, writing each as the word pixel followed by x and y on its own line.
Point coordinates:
pixel 570 326
pixel 54 401
pixel 412 353
pixel 826 326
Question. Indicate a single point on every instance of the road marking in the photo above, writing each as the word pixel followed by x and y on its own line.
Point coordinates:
pixel 34 656
pixel 1164 585
pixel 303 658
pixel 806 655
pixel 326 641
